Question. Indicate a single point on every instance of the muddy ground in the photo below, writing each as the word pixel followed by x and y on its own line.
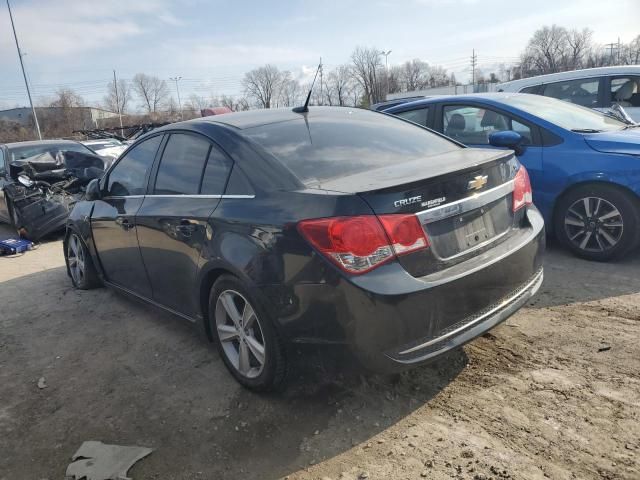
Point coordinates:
pixel 552 393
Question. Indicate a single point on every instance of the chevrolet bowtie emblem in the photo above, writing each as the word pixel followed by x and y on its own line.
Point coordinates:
pixel 478 182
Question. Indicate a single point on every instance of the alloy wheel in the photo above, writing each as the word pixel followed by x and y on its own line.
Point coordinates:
pixel 76 259
pixel 240 333
pixel 593 224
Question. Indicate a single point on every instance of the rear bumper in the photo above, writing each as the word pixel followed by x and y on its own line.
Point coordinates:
pixel 469 328
pixel 391 319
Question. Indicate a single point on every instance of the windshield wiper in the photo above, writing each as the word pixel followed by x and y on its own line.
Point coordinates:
pixel 585 130
pixel 633 125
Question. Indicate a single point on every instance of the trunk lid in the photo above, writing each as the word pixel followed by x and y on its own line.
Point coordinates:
pixel 463 200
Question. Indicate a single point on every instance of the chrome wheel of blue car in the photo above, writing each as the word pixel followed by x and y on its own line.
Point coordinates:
pixel 593 224
pixel 598 221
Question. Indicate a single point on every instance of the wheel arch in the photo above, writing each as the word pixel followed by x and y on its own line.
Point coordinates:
pixel 208 278
pixel 597 182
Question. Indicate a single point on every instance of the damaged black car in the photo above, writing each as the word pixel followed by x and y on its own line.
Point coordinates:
pixel 41 181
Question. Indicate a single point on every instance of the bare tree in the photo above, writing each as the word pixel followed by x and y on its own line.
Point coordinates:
pixel 122 99
pixel 197 103
pixel 339 85
pixel 152 91
pixel 263 84
pixel 630 54
pixel 290 91
pixel 578 45
pixel 368 72
pixel 415 75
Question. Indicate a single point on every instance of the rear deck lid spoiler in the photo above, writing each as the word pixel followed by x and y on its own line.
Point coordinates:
pixel 414 171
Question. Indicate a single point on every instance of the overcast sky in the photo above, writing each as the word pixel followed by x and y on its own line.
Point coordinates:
pixel 77 43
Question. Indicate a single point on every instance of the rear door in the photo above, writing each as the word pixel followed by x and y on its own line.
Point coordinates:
pixel 472 124
pixel 113 220
pixel 172 223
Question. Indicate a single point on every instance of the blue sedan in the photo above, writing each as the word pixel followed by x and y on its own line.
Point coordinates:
pixel 584 166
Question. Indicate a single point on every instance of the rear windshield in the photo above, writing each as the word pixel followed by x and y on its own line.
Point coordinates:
pixel 334 146
pixel 20 153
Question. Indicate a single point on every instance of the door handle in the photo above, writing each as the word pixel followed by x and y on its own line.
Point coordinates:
pixel 124 223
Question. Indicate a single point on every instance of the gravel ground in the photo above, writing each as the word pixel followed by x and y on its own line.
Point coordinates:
pixel 552 393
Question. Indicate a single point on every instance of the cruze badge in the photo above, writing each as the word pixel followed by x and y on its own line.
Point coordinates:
pixel 478 182
pixel 407 201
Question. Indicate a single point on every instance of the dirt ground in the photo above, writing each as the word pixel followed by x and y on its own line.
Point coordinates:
pixel 552 393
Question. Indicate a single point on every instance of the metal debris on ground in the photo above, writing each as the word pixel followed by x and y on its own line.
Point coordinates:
pixel 98 461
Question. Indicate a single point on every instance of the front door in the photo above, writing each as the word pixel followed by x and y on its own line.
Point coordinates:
pixel 472 125
pixel 172 222
pixel 113 220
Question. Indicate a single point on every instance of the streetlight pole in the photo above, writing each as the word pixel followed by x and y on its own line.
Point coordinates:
pixel 386 66
pixel 26 83
pixel 176 79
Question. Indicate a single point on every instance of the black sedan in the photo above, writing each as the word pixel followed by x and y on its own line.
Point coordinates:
pixel 335 226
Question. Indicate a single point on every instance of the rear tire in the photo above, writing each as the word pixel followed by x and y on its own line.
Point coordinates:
pixel 83 273
pixel 245 336
pixel 598 222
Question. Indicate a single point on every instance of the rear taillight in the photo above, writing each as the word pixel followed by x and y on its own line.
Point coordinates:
pixel 361 243
pixel 521 189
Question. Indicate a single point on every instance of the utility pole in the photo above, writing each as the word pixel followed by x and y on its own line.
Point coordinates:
pixel 386 69
pixel 610 46
pixel 321 97
pixel 176 79
pixel 26 83
pixel 474 62
pixel 115 86
pixel 619 50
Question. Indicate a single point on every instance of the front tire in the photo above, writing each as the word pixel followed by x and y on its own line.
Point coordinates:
pixel 80 264
pixel 598 222
pixel 246 338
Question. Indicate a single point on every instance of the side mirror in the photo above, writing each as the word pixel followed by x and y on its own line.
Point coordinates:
pixel 93 191
pixel 507 139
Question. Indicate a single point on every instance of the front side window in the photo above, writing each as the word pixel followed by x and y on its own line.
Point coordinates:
pixel 581 92
pixel 2 167
pixel 473 125
pixel 418 115
pixel 129 176
pixel 625 91
pixel 182 164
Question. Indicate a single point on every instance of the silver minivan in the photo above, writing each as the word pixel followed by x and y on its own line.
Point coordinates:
pixel 599 88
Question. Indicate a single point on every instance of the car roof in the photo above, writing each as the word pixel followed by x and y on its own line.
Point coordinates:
pixel 572 75
pixel 35 143
pixel 492 97
pixel 257 118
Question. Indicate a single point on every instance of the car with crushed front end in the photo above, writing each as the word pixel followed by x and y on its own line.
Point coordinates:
pixel 333 226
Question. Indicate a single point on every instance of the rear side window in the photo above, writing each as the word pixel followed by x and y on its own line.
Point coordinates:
pixel 216 172
pixel 2 167
pixel 418 116
pixel 346 142
pixel 182 164
pixel 129 176
pixel 581 92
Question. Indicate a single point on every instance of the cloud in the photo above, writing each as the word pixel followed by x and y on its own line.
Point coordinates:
pixel 69 27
